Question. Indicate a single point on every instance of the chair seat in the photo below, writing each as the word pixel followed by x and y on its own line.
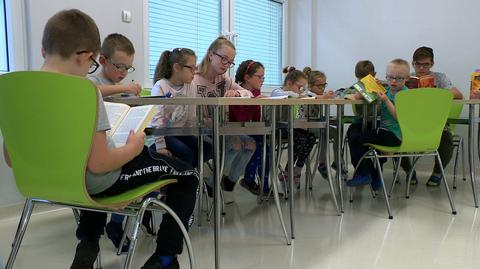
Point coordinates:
pixel 125 198
pixel 385 148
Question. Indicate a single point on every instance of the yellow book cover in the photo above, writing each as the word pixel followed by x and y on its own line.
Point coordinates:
pixel 371 85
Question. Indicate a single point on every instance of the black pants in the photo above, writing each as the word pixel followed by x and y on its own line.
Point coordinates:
pixel 303 142
pixel 149 167
pixel 380 137
pixel 445 150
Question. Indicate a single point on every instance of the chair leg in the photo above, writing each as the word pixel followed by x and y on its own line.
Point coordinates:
pixel 463 159
pixel 98 262
pixel 22 227
pixel 379 169
pixel 455 164
pixel 452 202
pixel 128 225
pixel 395 175
pixel 186 237
pixel 407 187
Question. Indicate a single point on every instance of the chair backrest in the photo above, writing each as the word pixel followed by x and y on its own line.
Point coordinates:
pixel 455 113
pixel 48 121
pixel 422 115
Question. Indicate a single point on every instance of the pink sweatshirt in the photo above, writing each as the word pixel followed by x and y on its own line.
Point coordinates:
pixel 222 83
pixel 173 115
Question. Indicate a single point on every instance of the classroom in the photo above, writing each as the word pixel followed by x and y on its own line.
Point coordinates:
pixel 254 117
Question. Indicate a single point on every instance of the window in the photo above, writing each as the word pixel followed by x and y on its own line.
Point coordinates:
pixel 194 24
pixel 4 65
pixel 258 24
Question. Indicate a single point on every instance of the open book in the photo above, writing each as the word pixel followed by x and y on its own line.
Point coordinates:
pixel 368 88
pixel 427 81
pixel 124 118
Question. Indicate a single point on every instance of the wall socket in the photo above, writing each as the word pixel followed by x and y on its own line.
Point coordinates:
pixel 127 16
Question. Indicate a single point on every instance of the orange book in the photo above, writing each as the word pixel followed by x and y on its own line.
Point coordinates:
pixel 475 85
pixel 427 81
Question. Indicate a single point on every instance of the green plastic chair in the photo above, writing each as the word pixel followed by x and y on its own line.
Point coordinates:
pixel 48 121
pixel 455 113
pixel 422 115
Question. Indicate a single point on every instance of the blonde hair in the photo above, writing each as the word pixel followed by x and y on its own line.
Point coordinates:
pixel 400 62
pixel 218 43
pixel 313 75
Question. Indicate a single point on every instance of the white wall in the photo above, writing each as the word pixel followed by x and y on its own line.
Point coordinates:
pixel 344 32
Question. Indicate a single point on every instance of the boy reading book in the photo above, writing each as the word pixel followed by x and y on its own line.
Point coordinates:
pixel 388 134
pixel 70 44
pixel 422 63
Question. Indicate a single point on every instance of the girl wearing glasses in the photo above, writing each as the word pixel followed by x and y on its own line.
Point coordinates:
pixel 211 80
pixel 303 140
pixel 250 75
pixel 173 77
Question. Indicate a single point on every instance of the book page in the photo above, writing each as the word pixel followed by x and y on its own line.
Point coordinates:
pixel 115 113
pixel 136 119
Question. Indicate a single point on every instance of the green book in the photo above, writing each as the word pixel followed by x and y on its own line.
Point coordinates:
pixel 370 97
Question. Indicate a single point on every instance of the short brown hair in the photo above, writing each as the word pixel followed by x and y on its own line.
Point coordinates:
pixel 114 42
pixel 364 68
pixel 423 53
pixel 69 31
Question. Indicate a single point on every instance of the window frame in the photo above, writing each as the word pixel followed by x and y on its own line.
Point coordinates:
pixel 227 28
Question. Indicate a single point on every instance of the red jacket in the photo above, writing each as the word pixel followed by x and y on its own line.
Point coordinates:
pixel 245 113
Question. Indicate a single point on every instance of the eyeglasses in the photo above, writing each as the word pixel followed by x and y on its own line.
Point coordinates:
pixel 259 77
pixel 422 65
pixel 224 60
pixel 396 79
pixel 121 67
pixel 94 65
pixel 192 68
pixel 320 85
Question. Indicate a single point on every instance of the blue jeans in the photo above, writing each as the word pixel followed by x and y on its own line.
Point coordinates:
pixel 186 148
pixel 255 164
pixel 235 160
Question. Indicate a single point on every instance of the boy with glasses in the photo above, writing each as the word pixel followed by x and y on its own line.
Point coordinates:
pixel 422 63
pixel 388 134
pixel 116 58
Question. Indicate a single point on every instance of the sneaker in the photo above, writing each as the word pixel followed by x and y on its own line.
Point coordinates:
pixel 227 184
pixel 85 255
pixel 253 188
pixel 227 187
pixel 414 179
pixel 322 168
pixel 147 222
pixel 154 263
pixel 115 232
pixel 359 180
pixel 434 181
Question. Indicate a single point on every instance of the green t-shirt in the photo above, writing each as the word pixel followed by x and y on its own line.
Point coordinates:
pixel 387 121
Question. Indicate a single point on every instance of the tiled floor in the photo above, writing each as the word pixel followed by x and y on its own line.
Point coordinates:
pixel 423 234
